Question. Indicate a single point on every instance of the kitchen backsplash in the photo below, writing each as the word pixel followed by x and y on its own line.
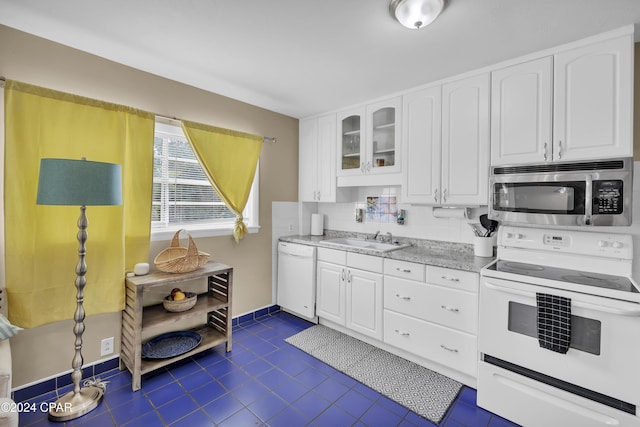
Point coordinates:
pixel 381 206
pixel 382 209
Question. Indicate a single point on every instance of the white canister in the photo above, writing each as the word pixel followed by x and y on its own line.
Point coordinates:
pixel 483 246
pixel 141 268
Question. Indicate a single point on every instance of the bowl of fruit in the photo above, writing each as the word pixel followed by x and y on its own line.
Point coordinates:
pixel 178 300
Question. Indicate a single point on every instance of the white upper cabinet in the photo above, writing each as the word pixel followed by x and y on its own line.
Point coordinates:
pixel 351 142
pixel 521 111
pixel 368 144
pixel 316 171
pixel 383 136
pixel 445 145
pixel 594 101
pixel 421 145
pixel 575 105
pixel 465 141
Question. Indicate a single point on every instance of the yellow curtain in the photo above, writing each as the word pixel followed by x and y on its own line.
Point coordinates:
pixel 229 159
pixel 40 241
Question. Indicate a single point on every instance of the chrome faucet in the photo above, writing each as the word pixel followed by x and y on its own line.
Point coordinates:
pixel 389 238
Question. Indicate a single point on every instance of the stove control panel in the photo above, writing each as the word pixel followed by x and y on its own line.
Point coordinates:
pixel 557 240
pixel 608 245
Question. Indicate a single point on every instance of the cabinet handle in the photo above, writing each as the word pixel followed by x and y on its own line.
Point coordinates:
pixel 348 276
pixel 403 297
pixel 444 195
pixel 368 166
pixel 319 198
pixel 315 195
pixel 452 350
pixel 342 275
pixel 452 309
pixel 402 334
pixel 559 149
pixel 451 279
pixel 545 152
pixel 362 167
pixel 435 195
pixel 403 270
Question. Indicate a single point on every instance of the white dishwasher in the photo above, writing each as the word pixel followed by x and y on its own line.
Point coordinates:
pixel 297 279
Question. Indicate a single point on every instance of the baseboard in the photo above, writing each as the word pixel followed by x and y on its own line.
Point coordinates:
pixel 63 379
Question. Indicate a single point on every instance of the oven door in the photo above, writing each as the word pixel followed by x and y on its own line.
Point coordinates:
pixel 598 373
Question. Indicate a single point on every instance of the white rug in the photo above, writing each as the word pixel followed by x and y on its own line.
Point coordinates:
pixel 419 389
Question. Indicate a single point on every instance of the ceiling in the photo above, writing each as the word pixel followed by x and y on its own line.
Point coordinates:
pixel 303 57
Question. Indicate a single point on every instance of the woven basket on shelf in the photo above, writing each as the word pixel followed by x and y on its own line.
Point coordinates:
pixel 176 259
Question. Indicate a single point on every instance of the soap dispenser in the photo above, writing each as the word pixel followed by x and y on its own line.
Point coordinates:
pixel 401 216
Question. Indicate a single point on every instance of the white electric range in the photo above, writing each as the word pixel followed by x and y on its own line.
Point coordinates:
pixel 559 329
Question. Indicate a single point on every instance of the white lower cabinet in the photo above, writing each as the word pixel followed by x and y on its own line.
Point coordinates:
pixel 425 311
pixel 349 290
pixel 451 348
pixel 444 306
pixel 432 312
pixel 364 302
pixel 330 292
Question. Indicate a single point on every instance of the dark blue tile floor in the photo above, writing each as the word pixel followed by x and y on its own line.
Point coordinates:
pixel 262 382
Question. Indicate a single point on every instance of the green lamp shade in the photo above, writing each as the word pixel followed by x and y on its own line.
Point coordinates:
pixel 79 182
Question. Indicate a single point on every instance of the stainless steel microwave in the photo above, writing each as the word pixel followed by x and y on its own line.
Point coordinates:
pixel 569 193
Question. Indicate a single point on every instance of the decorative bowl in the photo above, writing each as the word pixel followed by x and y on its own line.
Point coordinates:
pixel 181 305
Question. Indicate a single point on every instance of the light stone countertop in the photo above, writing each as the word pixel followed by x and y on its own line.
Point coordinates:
pixel 458 256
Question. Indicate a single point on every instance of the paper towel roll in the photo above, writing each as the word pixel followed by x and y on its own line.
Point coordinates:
pixel 450 213
pixel 317 224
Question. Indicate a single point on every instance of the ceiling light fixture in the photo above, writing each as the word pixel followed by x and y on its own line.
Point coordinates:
pixel 415 14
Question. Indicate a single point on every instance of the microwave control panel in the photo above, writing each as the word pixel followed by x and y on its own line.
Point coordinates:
pixel 607 197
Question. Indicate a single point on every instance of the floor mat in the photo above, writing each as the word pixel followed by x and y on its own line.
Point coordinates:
pixel 419 389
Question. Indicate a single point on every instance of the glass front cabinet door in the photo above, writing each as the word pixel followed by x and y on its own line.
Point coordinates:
pixel 369 138
pixel 383 136
pixel 350 142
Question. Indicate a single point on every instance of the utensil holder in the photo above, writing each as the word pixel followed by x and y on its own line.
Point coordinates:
pixel 483 246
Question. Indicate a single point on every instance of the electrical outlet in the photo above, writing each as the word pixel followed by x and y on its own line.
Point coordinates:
pixel 106 346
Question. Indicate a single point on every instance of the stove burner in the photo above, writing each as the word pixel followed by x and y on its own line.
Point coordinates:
pixel 593 281
pixel 522 266
pixel 557 274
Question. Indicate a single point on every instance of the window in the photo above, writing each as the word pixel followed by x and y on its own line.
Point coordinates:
pixel 182 194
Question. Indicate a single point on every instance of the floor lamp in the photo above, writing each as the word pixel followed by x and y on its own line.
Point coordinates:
pixel 78 183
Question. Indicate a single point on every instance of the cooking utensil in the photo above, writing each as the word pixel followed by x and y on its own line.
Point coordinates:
pixel 476 229
pixel 486 222
pixel 489 224
pixel 492 227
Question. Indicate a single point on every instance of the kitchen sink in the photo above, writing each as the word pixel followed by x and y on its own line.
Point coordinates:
pixel 372 245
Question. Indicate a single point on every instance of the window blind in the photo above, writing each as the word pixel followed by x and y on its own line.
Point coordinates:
pixel 182 194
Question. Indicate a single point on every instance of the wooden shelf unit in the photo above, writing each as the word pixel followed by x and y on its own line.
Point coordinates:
pixel 215 303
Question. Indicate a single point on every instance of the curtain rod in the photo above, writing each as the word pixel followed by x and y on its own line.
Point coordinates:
pixel 175 119
pixel 265 139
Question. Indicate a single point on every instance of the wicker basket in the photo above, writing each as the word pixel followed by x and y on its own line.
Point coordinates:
pixel 176 259
pixel 182 305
